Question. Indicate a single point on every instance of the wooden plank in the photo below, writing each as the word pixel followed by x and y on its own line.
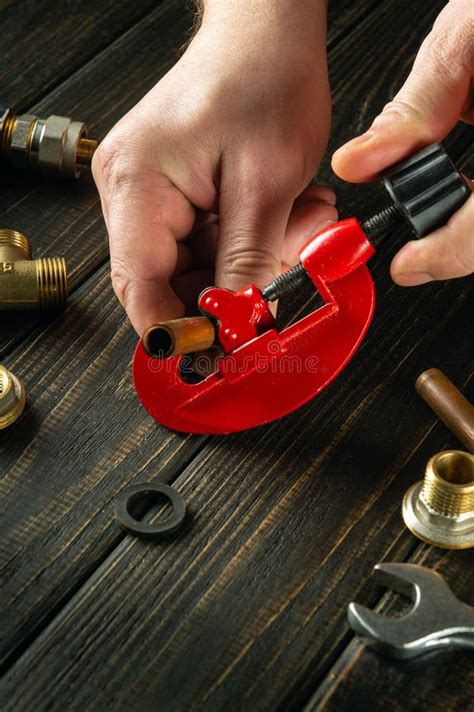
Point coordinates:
pixel 44 42
pixel 362 680
pixel 83 430
pixel 66 219
pixel 237 569
pixel 247 607
pixel 73 224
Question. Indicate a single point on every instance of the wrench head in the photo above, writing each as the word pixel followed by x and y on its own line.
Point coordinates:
pixel 436 619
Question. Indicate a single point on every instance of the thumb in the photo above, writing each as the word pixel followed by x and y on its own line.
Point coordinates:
pixel 252 223
pixel 432 100
pixel 447 252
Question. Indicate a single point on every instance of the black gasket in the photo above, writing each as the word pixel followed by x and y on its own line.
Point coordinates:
pixel 131 495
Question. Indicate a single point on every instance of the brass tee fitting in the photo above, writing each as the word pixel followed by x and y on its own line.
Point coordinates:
pixel 26 283
pixel 55 145
pixel 440 510
pixel 12 397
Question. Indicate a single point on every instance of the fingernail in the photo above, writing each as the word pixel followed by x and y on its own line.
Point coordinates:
pixel 367 136
pixel 322 224
pixel 412 279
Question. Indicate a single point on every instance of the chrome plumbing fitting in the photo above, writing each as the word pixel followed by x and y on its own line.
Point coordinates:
pixel 55 145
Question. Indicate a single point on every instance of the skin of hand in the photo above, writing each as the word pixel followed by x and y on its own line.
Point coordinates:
pixel 210 170
pixel 437 93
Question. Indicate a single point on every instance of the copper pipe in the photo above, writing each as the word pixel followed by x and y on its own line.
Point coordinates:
pixel 179 336
pixel 449 404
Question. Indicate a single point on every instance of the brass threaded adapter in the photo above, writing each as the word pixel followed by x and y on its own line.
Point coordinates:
pixel 440 510
pixel 54 145
pixel 12 397
pixel 26 283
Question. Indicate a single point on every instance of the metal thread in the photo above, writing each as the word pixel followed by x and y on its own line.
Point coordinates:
pixel 12 398
pixel 86 147
pixel 13 238
pixel 6 134
pixel 5 379
pixel 52 282
pixel 448 485
pixel 287 283
pixel 381 223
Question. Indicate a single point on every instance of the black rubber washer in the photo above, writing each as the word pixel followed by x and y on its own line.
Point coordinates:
pixel 133 494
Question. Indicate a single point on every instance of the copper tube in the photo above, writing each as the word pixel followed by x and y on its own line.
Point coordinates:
pixel 179 336
pixel 449 404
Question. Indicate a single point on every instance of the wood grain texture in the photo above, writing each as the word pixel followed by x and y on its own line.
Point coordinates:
pixel 362 680
pixel 246 609
pixel 248 605
pixel 43 42
pixel 83 430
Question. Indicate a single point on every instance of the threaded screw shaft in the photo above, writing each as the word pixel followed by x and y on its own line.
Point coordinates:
pixel 287 283
pixel 382 222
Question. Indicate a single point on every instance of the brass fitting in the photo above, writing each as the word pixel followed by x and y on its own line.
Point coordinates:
pixel 55 145
pixel 179 336
pixel 440 510
pixel 26 283
pixel 12 397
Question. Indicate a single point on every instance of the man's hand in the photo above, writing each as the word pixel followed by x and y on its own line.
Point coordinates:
pixel 435 96
pixel 211 168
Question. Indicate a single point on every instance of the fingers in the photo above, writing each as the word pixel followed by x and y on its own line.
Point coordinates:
pixel 306 220
pixel 145 216
pixel 434 97
pixel 447 252
pixel 253 217
pixel 256 231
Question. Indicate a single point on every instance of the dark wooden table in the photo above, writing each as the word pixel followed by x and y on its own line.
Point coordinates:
pixel 246 609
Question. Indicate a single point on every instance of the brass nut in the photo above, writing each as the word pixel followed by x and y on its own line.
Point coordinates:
pixel 12 397
pixel 20 139
pixel 440 509
pixel 26 283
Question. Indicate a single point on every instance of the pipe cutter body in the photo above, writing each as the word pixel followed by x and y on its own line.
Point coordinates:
pixel 266 374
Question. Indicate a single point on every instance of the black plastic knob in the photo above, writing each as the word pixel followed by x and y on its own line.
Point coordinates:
pixel 426 188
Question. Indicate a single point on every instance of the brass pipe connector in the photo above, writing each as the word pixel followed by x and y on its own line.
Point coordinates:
pixel 440 509
pixel 12 397
pixel 26 283
pixel 55 145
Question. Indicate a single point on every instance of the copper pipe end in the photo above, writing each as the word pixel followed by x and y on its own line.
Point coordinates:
pixel 449 404
pixel 179 336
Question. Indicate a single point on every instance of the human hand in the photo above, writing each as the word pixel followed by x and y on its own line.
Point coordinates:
pixel 212 166
pixel 437 93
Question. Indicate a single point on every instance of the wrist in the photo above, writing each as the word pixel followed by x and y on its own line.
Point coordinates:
pixel 274 19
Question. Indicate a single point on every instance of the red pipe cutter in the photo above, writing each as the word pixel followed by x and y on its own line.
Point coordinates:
pixel 265 373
